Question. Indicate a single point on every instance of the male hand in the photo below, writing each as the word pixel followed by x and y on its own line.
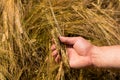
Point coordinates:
pixel 79 51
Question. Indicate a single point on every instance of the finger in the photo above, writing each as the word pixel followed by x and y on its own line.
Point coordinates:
pixel 53 47
pixel 54 53
pixel 57 59
pixel 52 40
pixel 69 40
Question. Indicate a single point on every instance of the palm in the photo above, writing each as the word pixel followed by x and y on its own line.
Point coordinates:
pixel 76 60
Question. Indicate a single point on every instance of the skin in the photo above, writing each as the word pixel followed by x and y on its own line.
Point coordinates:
pixel 82 53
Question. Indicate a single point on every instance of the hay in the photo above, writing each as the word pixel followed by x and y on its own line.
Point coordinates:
pixel 25 36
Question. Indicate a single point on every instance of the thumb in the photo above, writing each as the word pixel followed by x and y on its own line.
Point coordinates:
pixel 68 40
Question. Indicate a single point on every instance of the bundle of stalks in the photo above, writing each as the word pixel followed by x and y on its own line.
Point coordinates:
pixel 56 32
pixel 27 27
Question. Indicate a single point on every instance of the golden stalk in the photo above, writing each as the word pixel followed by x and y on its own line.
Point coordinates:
pixel 56 33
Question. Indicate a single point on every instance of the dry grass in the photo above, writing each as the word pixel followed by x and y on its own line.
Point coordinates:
pixel 25 36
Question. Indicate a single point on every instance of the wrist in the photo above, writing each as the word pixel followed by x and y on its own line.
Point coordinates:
pixel 95 53
pixel 105 56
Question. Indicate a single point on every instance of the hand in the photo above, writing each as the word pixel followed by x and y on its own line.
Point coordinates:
pixel 78 49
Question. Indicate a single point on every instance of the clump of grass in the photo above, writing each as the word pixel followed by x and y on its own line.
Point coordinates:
pixel 16 48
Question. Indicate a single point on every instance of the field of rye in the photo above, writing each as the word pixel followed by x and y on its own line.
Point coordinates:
pixel 28 26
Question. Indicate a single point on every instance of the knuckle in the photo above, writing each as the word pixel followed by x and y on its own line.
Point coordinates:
pixel 80 38
pixel 66 40
pixel 53 47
